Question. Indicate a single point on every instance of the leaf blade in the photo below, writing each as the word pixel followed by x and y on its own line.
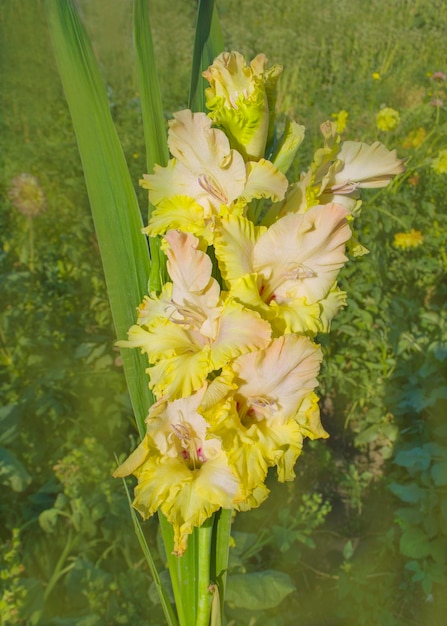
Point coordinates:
pixel 112 197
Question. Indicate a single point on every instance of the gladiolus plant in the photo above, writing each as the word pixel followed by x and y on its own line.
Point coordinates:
pixel 221 355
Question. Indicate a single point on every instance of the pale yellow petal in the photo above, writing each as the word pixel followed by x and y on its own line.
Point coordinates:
pixel 234 242
pixel 180 212
pixel 264 180
pixel 240 330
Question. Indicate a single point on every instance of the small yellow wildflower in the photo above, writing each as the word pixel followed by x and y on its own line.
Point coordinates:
pixel 413 239
pixel 439 164
pixel 414 138
pixel 340 119
pixel 387 119
pixel 376 76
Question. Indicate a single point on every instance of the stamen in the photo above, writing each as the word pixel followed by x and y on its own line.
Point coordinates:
pixel 211 186
pixel 190 452
pixel 189 316
pixel 299 272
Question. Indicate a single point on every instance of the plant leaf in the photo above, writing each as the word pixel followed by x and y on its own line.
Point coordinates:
pixel 113 201
pixel 12 471
pixel 154 124
pixel 208 44
pixel 258 590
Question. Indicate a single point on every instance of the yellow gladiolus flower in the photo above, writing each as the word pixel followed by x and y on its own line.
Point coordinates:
pixel 181 468
pixel 338 172
pixel 205 180
pixel 286 271
pixel 192 328
pixel 274 408
pixel 241 101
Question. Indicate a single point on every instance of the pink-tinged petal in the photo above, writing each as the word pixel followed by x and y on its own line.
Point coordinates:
pixel 274 381
pixel 206 153
pixel 300 255
pixel 165 415
pixel 195 294
pixel 190 270
pixel 360 165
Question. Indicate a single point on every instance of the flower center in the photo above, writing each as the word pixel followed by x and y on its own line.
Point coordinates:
pixel 188 445
pixel 259 408
pixel 298 271
pixel 212 186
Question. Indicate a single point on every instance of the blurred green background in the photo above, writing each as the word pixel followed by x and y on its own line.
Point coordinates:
pixel 360 538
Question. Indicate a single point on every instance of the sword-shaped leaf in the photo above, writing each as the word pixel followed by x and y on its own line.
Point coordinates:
pixel 112 197
pixel 208 44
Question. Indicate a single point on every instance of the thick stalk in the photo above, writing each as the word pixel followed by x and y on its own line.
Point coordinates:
pixel 205 533
pixel 221 542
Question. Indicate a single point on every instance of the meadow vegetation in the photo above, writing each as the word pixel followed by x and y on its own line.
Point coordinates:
pixel 360 537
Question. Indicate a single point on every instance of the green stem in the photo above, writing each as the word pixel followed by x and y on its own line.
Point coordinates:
pixel 31 243
pixel 168 611
pixel 58 570
pixel 205 533
pixel 219 569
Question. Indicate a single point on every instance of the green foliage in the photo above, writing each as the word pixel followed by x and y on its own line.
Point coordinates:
pixel 360 537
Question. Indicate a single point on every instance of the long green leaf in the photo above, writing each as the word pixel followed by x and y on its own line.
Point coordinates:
pixel 112 197
pixel 208 44
pixel 154 125
pixel 162 593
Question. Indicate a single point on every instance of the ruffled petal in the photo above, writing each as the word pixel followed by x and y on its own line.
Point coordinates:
pixel 264 180
pixel 360 165
pixel 180 212
pixel 240 330
pixel 238 100
pixel 273 382
pixel 234 242
pixel 300 255
pixel 308 418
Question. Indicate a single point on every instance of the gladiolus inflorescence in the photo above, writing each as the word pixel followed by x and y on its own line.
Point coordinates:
pixel 253 264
